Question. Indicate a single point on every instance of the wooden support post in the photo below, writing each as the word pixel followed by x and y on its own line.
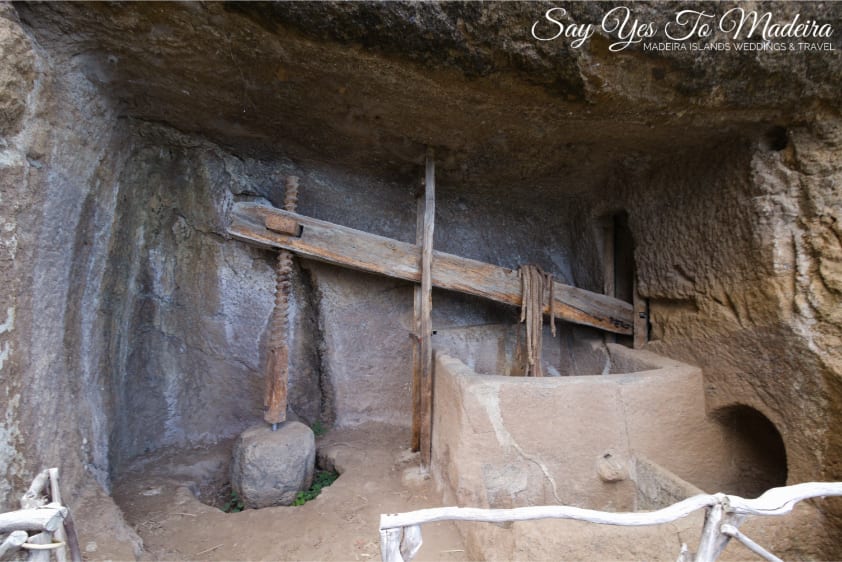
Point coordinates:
pixel 426 310
pixel 709 542
pixel 415 445
pixel 390 545
pixel 38 554
pixel 411 542
pixel 55 496
pixel 67 532
pixel 277 364
pixel 641 318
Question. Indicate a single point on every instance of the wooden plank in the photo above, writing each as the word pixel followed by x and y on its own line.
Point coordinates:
pixel 427 310
pixel 340 245
pixel 415 443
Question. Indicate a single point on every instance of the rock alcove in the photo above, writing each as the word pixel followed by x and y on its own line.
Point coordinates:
pixel 131 319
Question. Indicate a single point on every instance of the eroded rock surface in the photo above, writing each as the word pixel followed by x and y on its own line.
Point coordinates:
pixel 129 317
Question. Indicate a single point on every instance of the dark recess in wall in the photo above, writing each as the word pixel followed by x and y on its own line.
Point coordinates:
pixel 758 451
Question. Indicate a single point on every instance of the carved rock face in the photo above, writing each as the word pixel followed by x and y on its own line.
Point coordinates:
pixel 126 130
pixel 367 86
pixel 17 77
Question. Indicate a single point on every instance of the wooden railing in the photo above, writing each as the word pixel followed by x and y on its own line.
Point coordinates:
pixel 400 533
pixel 42 525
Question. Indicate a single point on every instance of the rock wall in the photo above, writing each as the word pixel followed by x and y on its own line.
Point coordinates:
pixel 725 256
pixel 130 322
pixel 163 334
pixel 18 80
pixel 186 309
pixel 737 250
pixel 61 151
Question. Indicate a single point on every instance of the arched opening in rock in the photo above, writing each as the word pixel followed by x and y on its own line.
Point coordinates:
pixel 756 451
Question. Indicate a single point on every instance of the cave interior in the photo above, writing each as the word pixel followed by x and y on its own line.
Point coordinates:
pixel 715 207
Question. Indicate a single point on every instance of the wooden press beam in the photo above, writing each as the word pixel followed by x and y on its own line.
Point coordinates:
pixel 340 245
pixel 426 332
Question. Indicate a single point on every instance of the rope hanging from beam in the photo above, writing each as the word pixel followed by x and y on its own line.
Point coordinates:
pixel 534 284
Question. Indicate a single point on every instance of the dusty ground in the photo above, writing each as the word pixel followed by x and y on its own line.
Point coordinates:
pixel 378 475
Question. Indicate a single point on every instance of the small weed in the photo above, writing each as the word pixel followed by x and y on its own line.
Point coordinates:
pixel 318 428
pixel 323 479
pixel 234 504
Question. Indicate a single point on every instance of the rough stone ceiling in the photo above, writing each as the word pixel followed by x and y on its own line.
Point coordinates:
pixel 367 85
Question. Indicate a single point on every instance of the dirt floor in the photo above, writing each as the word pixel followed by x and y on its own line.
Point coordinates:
pixel 159 497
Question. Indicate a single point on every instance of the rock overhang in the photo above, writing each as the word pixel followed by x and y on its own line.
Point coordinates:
pixel 367 86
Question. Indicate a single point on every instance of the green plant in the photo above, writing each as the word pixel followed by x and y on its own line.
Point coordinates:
pixel 322 479
pixel 318 428
pixel 234 504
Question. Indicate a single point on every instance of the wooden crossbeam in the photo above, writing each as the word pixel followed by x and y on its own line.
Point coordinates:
pixel 355 249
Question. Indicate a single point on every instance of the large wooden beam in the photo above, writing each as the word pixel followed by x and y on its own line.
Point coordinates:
pixel 340 245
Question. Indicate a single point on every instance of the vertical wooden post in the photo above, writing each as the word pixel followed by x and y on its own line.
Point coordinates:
pixel 40 555
pixel 55 496
pixel 67 532
pixel 416 335
pixel 713 541
pixel 608 259
pixel 426 310
pixel 390 545
pixel 277 364
pixel 641 318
